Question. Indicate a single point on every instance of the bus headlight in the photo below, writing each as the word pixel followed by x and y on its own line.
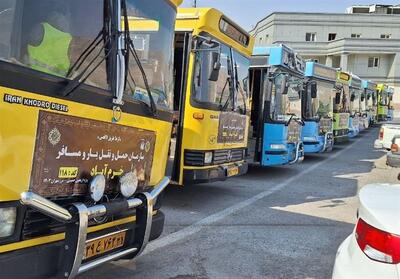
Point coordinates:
pixel 208 156
pixel 8 217
pixel 97 187
pixel 277 146
pixel 129 183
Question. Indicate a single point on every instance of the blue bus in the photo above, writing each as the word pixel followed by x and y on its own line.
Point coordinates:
pixel 355 108
pixel 317 109
pixel 370 100
pixel 276 84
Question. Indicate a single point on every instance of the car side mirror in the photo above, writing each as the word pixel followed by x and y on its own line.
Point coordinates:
pixel 214 66
pixel 337 98
pixel 313 89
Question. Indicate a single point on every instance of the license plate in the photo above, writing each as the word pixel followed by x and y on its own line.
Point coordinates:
pixel 104 244
pixel 233 171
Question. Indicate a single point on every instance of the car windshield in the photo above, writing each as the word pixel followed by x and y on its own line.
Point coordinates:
pixel 343 104
pixel 152 34
pixel 50 35
pixel 355 101
pixel 322 105
pixel 285 106
pixel 217 95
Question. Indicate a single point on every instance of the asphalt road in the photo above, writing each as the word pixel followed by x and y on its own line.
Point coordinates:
pixel 284 222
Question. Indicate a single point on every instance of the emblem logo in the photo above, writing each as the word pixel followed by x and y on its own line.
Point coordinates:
pixel 54 136
pixel 229 155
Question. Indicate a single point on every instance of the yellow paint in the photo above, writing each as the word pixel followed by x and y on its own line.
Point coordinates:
pixel 200 133
pixel 139 24
pixel 207 20
pixel 58 237
pixel 18 125
pixel 68 172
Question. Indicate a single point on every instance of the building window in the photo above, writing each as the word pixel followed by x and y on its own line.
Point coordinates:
pixel 386 36
pixel 373 62
pixel 356 35
pixel 311 37
pixel 331 36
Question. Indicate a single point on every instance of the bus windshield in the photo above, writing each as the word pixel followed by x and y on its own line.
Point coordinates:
pixel 322 105
pixel 383 98
pixel 230 91
pixel 355 101
pixel 50 35
pixel 286 106
pixel 342 100
pixel 152 34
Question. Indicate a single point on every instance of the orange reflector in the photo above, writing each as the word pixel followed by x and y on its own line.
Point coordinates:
pixel 198 115
pixel 394 148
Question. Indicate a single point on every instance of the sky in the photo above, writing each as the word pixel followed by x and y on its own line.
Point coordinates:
pixel 248 12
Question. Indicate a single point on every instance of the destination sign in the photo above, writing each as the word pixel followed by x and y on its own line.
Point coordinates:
pixel 293 61
pixel 233 32
pixel 344 76
pixel 324 72
pixel 355 82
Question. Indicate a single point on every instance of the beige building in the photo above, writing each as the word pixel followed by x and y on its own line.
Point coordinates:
pixel 365 40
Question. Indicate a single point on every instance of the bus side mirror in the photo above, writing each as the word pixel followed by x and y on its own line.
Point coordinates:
pixel 337 98
pixel 313 89
pixel 391 98
pixel 214 66
pixel 362 98
pixel 352 98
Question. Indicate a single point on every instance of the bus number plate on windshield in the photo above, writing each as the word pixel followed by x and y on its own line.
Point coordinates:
pixel 104 244
pixel 233 171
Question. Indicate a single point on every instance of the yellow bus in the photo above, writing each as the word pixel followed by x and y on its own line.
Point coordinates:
pixel 85 124
pixel 212 58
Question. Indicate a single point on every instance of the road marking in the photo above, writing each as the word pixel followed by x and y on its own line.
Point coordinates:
pixel 198 226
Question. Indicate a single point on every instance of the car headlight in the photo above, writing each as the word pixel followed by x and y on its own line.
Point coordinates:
pixel 97 187
pixel 8 217
pixel 278 146
pixel 208 156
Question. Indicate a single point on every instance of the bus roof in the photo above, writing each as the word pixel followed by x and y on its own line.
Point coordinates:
pixel 343 77
pixel 314 69
pixel 215 23
pixel 278 55
pixel 355 82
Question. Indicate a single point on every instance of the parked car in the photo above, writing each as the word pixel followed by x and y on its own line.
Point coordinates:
pixel 386 134
pixel 393 156
pixel 373 249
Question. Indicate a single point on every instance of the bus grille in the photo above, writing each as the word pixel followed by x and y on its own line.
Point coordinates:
pixel 196 158
pixel 227 156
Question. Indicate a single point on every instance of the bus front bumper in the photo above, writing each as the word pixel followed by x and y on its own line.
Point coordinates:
pixel 66 259
pixel 320 144
pixel 213 174
pixel 341 135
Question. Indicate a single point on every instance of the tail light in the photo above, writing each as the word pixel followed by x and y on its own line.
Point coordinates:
pixel 381 134
pixel 378 245
pixel 394 148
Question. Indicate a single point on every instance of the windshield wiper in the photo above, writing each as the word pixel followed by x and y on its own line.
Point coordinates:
pixel 221 107
pixel 75 83
pixel 130 48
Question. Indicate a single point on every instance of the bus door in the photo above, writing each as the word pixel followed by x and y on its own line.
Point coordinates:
pixel 182 44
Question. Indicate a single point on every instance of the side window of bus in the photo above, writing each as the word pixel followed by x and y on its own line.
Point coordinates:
pixel 206 91
pixel 50 35
pixel 241 68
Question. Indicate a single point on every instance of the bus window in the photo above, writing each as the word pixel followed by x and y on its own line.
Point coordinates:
pixel 150 33
pixel 241 66
pixel 214 93
pixel 7 11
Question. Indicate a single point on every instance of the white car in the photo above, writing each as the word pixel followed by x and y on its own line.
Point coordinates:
pixel 372 251
pixel 386 134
